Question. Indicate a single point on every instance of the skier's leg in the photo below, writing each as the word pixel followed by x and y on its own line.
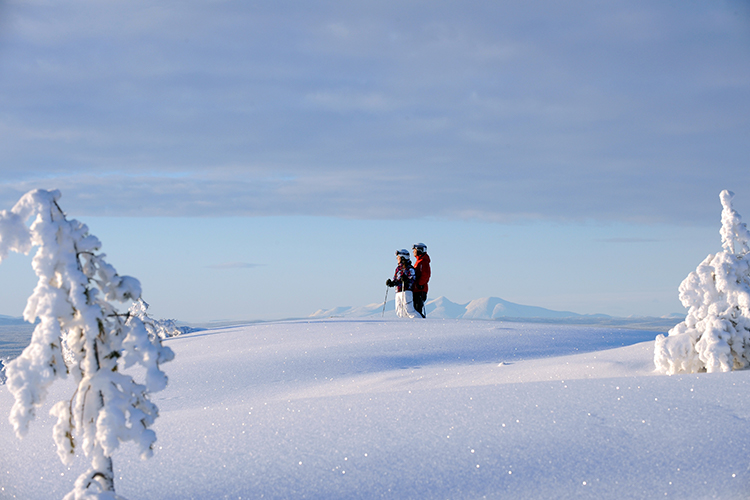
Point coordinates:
pixel 400 305
pixel 418 303
pixel 409 304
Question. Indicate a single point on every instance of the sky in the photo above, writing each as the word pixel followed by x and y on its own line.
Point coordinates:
pixel 262 160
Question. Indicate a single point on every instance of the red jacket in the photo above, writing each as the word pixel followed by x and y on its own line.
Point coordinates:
pixel 422 267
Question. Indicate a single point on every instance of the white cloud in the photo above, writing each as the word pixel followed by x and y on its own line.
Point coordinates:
pixel 569 111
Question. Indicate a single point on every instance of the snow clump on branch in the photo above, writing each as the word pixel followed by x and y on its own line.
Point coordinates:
pixel 162 328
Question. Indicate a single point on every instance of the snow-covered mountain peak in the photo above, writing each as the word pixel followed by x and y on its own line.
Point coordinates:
pixel 442 307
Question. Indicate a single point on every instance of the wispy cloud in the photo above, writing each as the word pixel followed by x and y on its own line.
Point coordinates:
pixel 629 240
pixel 234 265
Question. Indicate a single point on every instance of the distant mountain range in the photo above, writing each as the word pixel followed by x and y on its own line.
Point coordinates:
pixel 12 320
pixel 494 308
pixel 441 307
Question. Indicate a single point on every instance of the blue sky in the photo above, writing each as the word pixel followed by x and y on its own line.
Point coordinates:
pixel 259 160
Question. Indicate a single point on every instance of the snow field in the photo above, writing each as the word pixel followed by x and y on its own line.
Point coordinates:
pixel 407 409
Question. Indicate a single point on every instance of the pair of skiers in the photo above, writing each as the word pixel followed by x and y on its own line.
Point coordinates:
pixel 411 282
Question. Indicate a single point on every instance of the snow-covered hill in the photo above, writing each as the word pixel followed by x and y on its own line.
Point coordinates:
pixel 406 409
pixel 11 320
pixel 494 308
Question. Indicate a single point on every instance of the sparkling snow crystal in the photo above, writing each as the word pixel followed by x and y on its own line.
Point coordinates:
pixel 715 336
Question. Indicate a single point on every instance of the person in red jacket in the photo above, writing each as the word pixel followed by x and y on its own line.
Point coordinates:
pixel 422 269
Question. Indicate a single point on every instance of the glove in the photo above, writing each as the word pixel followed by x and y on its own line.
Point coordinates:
pixel 388 282
pixel 420 287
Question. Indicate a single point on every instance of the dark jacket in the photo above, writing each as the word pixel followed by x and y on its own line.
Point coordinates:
pixel 405 276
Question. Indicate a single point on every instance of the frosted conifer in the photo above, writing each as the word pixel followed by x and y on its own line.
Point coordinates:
pixel 715 335
pixel 81 334
pixel 162 328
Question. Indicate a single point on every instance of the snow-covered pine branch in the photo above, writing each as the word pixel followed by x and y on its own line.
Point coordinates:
pixel 715 335
pixel 80 333
pixel 162 328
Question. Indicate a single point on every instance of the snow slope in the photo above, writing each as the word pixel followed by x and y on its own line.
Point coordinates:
pixel 456 409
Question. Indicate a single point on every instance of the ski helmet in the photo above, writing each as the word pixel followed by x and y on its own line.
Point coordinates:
pixel 403 253
pixel 419 247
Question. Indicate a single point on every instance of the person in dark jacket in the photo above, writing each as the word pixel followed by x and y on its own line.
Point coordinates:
pixel 404 276
pixel 403 280
pixel 423 272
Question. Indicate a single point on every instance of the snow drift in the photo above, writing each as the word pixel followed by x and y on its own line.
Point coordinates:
pixel 406 409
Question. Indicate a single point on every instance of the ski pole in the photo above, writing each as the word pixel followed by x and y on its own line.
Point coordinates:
pixel 385 300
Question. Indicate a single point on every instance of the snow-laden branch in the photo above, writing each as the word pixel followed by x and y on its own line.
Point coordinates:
pixel 715 335
pixel 162 328
pixel 81 333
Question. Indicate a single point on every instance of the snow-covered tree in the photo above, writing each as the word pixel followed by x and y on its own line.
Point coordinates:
pixel 715 335
pixel 162 328
pixel 80 333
